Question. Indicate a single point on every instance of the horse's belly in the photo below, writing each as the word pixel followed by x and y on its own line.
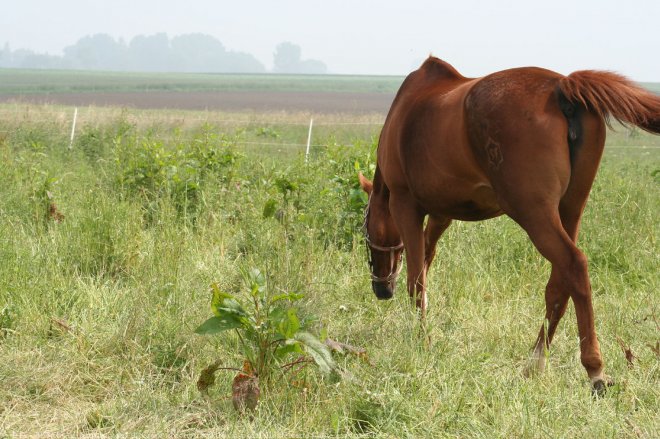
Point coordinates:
pixel 476 204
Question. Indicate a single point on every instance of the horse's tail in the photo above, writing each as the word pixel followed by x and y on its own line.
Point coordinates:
pixel 610 94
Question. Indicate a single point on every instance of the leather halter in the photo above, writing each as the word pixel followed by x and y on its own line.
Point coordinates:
pixel 395 268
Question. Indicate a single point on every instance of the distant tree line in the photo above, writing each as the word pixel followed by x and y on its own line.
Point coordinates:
pixel 158 53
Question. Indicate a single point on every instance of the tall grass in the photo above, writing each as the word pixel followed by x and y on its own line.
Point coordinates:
pixel 97 311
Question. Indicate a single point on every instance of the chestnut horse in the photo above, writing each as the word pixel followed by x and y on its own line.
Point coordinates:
pixel 524 142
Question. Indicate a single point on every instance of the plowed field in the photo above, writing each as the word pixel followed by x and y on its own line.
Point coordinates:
pixel 315 102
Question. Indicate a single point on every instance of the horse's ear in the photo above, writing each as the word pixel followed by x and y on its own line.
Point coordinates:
pixel 366 185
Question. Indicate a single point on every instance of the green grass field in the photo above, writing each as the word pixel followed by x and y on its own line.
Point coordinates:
pixel 97 311
pixel 16 81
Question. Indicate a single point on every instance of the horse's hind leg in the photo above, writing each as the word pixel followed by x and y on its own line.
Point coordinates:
pixel 556 301
pixel 569 278
pixel 556 296
pixel 584 166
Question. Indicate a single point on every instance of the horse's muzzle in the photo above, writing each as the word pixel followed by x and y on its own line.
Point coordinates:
pixel 383 290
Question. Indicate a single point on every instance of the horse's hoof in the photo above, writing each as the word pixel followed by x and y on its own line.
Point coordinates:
pixel 600 385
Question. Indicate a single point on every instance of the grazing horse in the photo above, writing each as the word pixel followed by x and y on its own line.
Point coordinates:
pixel 524 142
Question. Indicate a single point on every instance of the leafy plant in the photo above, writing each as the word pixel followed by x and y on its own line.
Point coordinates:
pixel 268 132
pixel 346 187
pixel 152 169
pixel 7 321
pixel 93 141
pixel 290 190
pixel 42 198
pixel 656 175
pixel 272 336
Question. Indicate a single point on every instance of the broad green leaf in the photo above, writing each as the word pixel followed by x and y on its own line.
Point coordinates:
pixel 318 351
pixel 357 199
pixel 285 185
pixel 219 324
pixel 257 281
pixel 291 324
pixel 230 306
pixel 309 320
pixel 257 277
pixel 269 208
pixel 290 346
pixel 218 297
pixel 277 316
pixel 223 303
pixel 285 321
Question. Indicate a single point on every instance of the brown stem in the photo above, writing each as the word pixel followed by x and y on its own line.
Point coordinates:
pixel 298 361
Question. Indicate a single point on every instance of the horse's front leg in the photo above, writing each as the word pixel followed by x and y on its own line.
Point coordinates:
pixel 435 227
pixel 409 220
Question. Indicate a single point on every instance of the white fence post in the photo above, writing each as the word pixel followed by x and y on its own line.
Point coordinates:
pixel 73 127
pixel 309 138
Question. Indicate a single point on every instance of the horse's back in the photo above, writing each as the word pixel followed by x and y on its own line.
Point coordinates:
pixel 448 138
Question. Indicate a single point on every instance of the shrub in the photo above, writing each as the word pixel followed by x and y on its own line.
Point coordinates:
pixel 151 169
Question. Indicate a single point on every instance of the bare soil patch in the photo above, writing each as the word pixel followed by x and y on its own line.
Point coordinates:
pixel 318 102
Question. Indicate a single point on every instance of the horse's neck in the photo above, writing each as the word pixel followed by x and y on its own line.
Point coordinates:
pixel 381 193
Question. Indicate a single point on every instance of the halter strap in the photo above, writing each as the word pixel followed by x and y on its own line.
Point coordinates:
pixel 394 269
pixel 381 248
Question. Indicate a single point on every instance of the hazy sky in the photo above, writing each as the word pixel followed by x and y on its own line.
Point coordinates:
pixel 371 36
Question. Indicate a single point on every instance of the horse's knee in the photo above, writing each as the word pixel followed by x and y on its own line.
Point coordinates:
pixel 578 261
pixel 577 277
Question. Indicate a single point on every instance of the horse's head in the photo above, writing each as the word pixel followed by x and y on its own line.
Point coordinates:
pixel 384 246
